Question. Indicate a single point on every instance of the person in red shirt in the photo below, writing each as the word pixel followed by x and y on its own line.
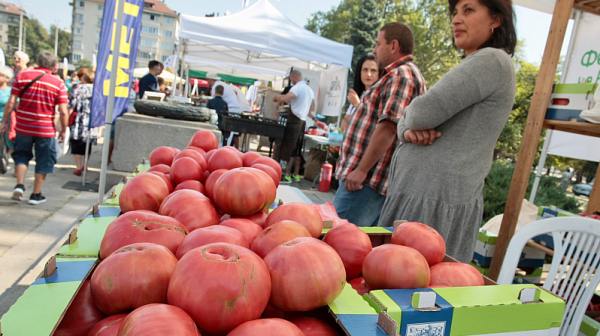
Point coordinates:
pixel 39 93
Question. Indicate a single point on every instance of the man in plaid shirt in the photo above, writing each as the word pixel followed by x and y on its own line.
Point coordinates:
pixel 370 138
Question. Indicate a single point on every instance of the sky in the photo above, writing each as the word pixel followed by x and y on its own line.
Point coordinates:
pixel 532 25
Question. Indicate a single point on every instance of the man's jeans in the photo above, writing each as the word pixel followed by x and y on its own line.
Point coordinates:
pixel 361 207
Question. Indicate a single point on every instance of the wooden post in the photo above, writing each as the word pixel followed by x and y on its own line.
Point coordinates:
pixel 533 129
pixel 594 201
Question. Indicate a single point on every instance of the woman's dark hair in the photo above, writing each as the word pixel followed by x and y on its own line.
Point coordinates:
pixel 359 86
pixel 503 37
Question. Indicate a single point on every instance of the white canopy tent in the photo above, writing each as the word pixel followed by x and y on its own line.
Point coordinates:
pixel 260 42
pixel 260 35
pixel 546 6
pixel 237 69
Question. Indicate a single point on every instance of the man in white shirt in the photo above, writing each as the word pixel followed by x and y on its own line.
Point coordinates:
pixel 229 95
pixel 244 106
pixel 302 104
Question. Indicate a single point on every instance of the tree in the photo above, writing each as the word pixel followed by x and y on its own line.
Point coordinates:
pixel 363 33
pixel 36 37
pixel 429 20
pixel 84 63
pixel 430 23
pixel 509 143
pixel 335 24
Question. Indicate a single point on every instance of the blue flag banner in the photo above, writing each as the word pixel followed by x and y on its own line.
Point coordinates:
pixel 130 36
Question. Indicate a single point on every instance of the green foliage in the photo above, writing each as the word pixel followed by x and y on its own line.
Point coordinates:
pixel 430 23
pixel 335 24
pixel 510 139
pixel 429 20
pixel 497 186
pixel 37 39
pixel 363 33
pixel 84 63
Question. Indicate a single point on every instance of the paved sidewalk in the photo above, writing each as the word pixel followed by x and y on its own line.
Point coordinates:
pixel 30 234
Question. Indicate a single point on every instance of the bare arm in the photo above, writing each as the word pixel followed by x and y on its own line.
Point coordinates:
pixel 353 98
pixel 382 139
pixel 64 120
pixel 8 108
pixel 284 98
pixel 311 109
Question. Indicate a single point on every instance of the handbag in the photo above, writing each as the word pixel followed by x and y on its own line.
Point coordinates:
pixel 72 117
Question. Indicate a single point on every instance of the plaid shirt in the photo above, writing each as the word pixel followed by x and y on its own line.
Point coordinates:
pixel 385 100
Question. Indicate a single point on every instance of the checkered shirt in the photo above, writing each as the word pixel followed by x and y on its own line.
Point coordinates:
pixel 385 100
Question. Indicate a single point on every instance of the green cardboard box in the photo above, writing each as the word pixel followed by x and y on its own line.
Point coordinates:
pixel 486 244
pixel 462 311
pixel 589 327
pixel 534 278
pixel 552 211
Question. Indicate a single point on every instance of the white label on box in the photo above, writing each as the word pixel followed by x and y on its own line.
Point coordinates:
pixel 424 300
pixel 426 329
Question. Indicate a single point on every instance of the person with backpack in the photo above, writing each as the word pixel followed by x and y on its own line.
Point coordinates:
pixel 39 94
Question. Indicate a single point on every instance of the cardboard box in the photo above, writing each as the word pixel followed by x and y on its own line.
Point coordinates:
pixel 568 100
pixel 378 235
pixel 42 306
pixel 589 327
pixel 552 212
pixel 521 277
pixel 356 315
pixel 486 244
pixel 470 310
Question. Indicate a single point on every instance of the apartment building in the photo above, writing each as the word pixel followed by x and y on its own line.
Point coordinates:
pixel 157 40
pixel 9 16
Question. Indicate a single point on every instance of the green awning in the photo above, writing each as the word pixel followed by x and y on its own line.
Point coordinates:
pixel 226 78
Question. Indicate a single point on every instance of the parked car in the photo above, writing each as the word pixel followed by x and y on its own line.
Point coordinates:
pixel 583 189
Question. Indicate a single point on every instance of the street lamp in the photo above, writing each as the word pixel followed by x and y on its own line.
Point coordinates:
pixel 56 38
pixel 21 24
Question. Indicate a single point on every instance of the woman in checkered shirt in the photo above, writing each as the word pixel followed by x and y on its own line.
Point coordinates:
pixel 449 133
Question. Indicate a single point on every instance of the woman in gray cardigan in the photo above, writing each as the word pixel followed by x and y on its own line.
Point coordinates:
pixel 449 133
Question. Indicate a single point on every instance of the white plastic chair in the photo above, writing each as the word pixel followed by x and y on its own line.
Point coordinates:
pixel 573 274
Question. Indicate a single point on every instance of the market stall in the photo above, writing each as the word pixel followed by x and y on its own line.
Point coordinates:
pixel 104 267
pixel 260 42
pixel 536 121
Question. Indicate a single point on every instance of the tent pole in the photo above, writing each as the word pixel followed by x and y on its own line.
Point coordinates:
pixel 574 35
pixel 187 82
pixel 541 164
pixel 181 94
pixel 111 99
pixel 85 159
pixel 175 70
pixel 339 119
pixel 563 78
